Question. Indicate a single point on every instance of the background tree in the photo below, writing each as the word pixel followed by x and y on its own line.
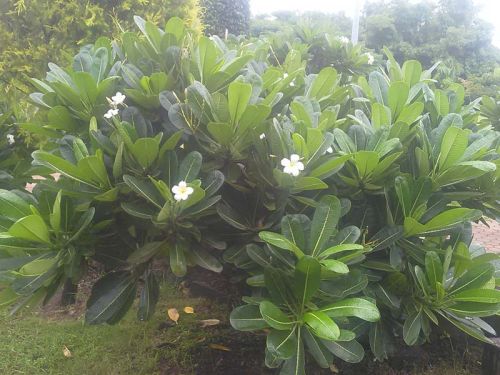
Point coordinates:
pixel 219 15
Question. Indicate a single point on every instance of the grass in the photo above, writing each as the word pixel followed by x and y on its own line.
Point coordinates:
pixel 33 344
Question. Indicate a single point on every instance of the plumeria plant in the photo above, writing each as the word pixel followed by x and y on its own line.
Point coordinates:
pixel 342 190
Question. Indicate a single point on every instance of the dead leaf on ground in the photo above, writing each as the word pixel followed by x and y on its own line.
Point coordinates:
pixel 67 352
pixel 173 314
pixel 209 322
pixel 219 347
pixel 188 310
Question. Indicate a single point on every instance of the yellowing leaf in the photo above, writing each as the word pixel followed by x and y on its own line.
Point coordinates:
pixel 209 322
pixel 188 310
pixel 66 352
pixel 219 347
pixel 173 314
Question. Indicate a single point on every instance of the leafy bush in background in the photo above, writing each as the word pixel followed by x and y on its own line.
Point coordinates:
pixel 344 196
pixel 35 32
pixel 221 15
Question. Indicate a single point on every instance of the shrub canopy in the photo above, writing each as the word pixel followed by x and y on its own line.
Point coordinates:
pixel 345 196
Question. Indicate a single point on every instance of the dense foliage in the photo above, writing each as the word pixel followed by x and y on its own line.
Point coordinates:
pixel 345 196
pixel 226 16
pixel 449 31
pixel 36 32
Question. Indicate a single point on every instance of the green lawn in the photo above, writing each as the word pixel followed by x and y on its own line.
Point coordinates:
pixel 34 345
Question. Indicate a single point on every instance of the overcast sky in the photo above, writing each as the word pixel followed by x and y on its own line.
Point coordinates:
pixel 489 9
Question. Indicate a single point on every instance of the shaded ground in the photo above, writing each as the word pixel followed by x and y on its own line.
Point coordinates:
pixel 34 343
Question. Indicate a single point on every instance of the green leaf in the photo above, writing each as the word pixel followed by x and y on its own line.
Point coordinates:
pixel 111 298
pixel 398 95
pixel 381 115
pixel 296 364
pixel 12 206
pixel 222 132
pixel 238 95
pixel 145 253
pixel 322 356
pixel 365 162
pixel 412 70
pixel 306 279
pixel 282 344
pixel 340 248
pixel 308 183
pixel 206 260
pixel 31 228
pixel 412 327
pixel 276 318
pixel 247 318
pixel 453 146
pixel 335 266
pixel 145 151
pixel 325 219
pixel 331 166
pixel 475 277
pixel 321 325
pixel 190 166
pixel 433 268
pixel 146 189
pixel 177 258
pixel 55 216
pixel 349 351
pixel 323 84
pixel 469 309
pixel 477 295
pixel 280 241
pixel 149 297
pixel 358 307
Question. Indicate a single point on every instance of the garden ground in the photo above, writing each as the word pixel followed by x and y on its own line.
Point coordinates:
pixel 35 343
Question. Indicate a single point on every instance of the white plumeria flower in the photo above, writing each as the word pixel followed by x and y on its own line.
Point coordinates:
pixel 10 139
pixel 285 75
pixel 343 39
pixel 329 150
pixel 371 59
pixel 111 112
pixel 292 83
pixel 182 191
pixel 292 166
pixel 118 99
pixel 262 136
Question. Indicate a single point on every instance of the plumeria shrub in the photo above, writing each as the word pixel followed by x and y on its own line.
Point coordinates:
pixel 345 196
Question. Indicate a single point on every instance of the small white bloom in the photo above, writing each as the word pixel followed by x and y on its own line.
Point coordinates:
pixel 10 139
pixel 371 59
pixel 329 150
pixel 292 84
pixel 111 112
pixel 292 166
pixel 182 191
pixel 262 136
pixel 285 75
pixel 118 99
pixel 343 39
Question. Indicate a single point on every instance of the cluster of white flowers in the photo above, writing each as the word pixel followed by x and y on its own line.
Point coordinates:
pixel 343 39
pixel 262 136
pixel 114 102
pixel 371 59
pixel 10 139
pixel 292 166
pixel 182 191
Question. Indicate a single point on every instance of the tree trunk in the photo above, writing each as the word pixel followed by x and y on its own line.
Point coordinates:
pixel 69 293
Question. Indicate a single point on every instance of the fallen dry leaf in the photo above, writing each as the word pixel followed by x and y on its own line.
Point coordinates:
pixel 209 322
pixel 66 352
pixel 188 310
pixel 173 314
pixel 219 347
pixel 334 369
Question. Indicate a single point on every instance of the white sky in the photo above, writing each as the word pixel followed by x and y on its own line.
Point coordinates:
pixel 490 9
